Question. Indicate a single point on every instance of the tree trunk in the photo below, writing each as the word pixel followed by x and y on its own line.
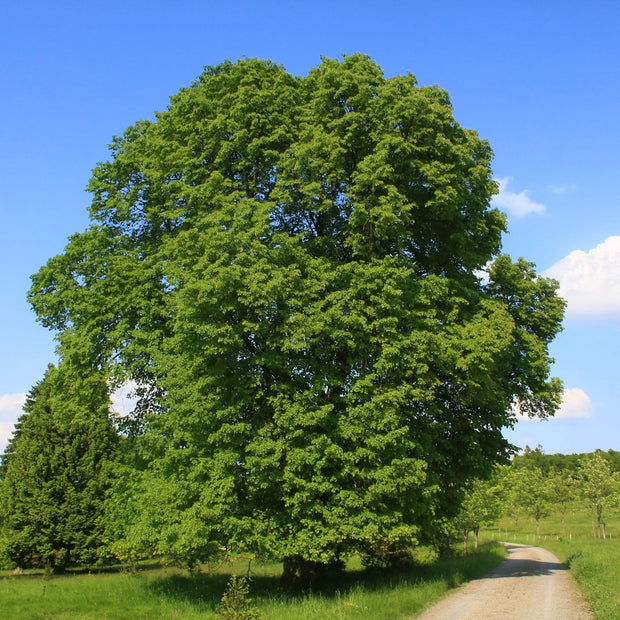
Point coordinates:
pixel 301 573
pixel 600 522
pixel 476 531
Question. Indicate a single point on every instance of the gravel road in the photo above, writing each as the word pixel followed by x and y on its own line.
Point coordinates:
pixel 531 584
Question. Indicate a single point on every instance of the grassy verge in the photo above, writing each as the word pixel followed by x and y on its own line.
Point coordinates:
pixel 594 565
pixel 167 593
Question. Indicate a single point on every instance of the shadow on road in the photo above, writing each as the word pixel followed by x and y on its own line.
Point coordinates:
pixel 517 567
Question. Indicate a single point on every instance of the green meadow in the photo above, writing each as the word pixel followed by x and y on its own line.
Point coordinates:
pixel 167 593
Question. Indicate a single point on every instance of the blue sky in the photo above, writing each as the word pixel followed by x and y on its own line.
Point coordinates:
pixel 537 79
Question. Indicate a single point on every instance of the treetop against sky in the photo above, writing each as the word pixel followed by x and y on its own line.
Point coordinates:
pixel 76 79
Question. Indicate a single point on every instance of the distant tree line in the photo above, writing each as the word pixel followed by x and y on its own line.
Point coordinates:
pixel 535 484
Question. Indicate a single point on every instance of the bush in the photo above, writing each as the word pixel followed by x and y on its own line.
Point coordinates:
pixel 236 603
pixel 387 555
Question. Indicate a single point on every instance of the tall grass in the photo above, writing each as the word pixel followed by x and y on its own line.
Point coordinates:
pixel 167 593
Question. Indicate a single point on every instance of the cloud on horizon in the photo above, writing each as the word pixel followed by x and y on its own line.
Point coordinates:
pixel 10 409
pixel 590 281
pixel 519 205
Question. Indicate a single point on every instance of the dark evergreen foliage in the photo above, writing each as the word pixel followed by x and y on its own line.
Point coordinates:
pixel 53 477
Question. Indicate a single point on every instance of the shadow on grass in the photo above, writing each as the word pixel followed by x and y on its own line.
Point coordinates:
pixel 206 590
pixel 80 570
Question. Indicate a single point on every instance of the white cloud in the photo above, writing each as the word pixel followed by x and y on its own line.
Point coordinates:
pixel 575 404
pixel 562 189
pixel 122 400
pixel 590 281
pixel 518 205
pixel 10 409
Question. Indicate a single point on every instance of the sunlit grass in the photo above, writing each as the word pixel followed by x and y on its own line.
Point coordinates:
pixel 168 593
pixel 594 563
pixel 577 523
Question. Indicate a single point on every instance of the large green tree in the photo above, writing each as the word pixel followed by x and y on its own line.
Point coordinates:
pixel 53 477
pixel 290 269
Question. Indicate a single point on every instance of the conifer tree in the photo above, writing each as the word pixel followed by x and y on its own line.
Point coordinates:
pixel 53 478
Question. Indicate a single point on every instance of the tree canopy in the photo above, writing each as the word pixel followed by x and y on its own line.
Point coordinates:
pixel 289 269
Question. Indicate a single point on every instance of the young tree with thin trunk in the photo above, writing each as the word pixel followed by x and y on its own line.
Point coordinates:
pixel 513 492
pixel 600 488
pixel 481 506
pixel 562 492
pixel 535 494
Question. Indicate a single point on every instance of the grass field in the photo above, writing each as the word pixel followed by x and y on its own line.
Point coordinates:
pixel 156 592
pixel 593 562
pixel 168 593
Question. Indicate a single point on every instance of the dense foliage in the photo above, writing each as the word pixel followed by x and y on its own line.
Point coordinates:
pixel 53 475
pixel 289 269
